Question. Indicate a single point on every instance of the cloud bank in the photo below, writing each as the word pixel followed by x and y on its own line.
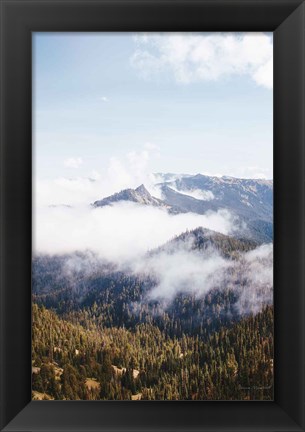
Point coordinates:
pixel 118 233
pixel 199 272
pixel 185 270
pixel 205 57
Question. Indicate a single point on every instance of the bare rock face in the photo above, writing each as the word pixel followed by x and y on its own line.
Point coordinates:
pixel 139 195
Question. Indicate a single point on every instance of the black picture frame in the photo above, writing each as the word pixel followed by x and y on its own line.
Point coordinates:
pixel 19 18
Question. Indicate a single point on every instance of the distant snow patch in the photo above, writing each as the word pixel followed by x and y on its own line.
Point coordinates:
pixel 203 195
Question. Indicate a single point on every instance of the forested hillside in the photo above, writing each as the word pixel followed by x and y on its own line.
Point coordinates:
pixel 72 362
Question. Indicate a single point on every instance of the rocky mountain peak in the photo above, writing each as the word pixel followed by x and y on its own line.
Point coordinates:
pixel 142 191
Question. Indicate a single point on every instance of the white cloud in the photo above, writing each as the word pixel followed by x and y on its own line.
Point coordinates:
pixel 104 99
pixel 205 57
pixel 264 74
pixel 198 272
pixel 68 191
pixel 132 170
pixel 118 233
pixel 257 272
pixel 73 162
pixel 127 171
pixel 185 271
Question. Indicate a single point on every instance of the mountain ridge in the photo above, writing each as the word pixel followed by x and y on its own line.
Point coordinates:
pixel 250 200
pixel 139 195
pixel 201 239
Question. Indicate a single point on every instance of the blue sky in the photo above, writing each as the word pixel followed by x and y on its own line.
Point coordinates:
pixel 183 104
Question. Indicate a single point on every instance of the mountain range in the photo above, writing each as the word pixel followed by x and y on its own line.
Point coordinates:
pixel 251 200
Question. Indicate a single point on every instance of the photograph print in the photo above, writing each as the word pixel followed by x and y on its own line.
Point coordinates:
pixel 152 261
